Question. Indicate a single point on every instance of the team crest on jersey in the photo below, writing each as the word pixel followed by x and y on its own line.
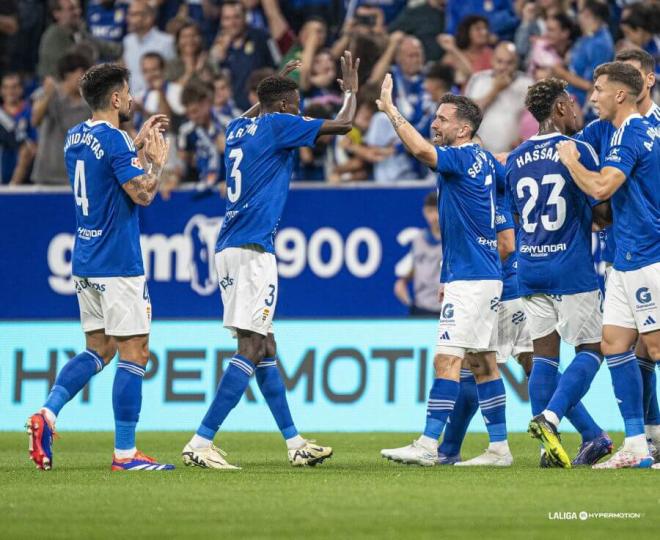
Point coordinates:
pixel 135 162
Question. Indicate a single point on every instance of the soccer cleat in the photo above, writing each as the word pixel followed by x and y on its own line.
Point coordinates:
pixel 624 459
pixel 444 459
pixel 40 445
pixel 540 428
pixel 488 459
pixel 591 452
pixel 210 457
pixel 139 462
pixel 309 454
pixel 413 454
pixel 656 466
pixel 654 451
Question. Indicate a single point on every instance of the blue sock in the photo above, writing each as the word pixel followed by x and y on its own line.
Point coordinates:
pixel 492 401
pixel 465 408
pixel 574 382
pixel 272 387
pixel 127 402
pixel 583 422
pixel 442 397
pixel 230 390
pixel 651 411
pixel 542 382
pixel 75 374
pixel 627 383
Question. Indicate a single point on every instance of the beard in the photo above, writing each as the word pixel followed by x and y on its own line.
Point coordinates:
pixel 124 116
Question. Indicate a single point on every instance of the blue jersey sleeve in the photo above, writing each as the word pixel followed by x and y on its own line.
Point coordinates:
pixel 123 157
pixel 590 161
pixel 291 131
pixel 623 151
pixel 451 160
pixel 503 219
pixel 592 134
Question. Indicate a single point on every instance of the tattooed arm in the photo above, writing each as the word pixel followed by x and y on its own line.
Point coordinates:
pixel 143 188
pixel 414 142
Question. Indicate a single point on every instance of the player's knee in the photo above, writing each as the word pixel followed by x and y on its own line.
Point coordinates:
pixel 525 361
pixel 252 346
pixel 446 366
pixel 652 349
pixel 271 346
pixel 107 351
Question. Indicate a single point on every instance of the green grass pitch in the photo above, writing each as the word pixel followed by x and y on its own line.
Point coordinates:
pixel 356 494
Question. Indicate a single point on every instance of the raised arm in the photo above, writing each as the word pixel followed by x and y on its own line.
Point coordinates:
pixel 143 188
pixel 343 122
pixel 414 142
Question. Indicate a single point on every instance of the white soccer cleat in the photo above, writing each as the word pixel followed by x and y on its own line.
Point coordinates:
pixel 656 466
pixel 309 454
pixel 414 454
pixel 625 459
pixel 488 459
pixel 211 457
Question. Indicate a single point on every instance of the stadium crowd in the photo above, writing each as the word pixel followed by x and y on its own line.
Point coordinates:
pixel 199 62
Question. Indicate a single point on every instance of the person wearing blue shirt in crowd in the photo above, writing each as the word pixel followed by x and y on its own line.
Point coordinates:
pixel 17 135
pixel 628 177
pixel 109 184
pixel 502 19
pixel 106 19
pixel 260 149
pixel 390 8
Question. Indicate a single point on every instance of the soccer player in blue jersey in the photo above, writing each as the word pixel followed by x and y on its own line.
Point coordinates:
pixel 629 178
pixel 471 268
pixel 259 159
pixel 556 274
pixel 109 182
pixel 598 134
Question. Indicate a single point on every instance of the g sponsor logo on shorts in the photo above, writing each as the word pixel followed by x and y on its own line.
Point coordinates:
pixel 643 295
pixel 447 312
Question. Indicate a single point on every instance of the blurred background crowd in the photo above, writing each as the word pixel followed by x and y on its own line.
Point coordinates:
pixel 199 62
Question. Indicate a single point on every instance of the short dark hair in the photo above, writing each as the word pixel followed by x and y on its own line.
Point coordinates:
pixel 646 61
pixel 234 3
pixel 195 92
pixel 154 56
pixel 431 198
pixel 71 62
pixel 463 30
pixel 542 95
pixel 275 88
pixel 643 16
pixel 621 73
pixel 318 110
pixel 11 74
pixel 100 81
pixel 466 109
pixel 598 9
pixel 441 72
pixel 566 23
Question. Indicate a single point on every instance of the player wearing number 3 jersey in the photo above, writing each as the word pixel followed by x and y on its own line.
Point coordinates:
pixel 259 160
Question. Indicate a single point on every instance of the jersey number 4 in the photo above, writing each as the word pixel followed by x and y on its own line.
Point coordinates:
pixel 80 187
pixel 234 191
pixel 554 199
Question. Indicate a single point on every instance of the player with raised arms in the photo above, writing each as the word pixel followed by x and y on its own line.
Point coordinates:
pixel 471 270
pixel 556 274
pixel 629 178
pixel 598 134
pixel 259 158
pixel 110 178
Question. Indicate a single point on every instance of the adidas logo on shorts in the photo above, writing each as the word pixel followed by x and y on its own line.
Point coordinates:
pixel 649 321
pixel 444 335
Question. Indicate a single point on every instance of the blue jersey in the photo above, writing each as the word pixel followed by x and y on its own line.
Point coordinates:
pixel 259 156
pixel 635 151
pixel 466 206
pixel 202 144
pixel 503 222
pixel 107 22
pixel 99 159
pixel 553 244
pixel 15 130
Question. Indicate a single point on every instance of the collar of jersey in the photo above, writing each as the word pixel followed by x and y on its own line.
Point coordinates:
pixel 631 117
pixel 652 111
pixel 98 123
pixel 546 136
pixel 469 143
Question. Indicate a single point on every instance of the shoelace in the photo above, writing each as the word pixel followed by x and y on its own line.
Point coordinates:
pixel 219 450
pixel 142 456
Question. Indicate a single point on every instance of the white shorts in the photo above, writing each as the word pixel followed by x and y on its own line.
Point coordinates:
pixel 247 277
pixel 513 337
pixel 632 299
pixel 119 305
pixel 577 318
pixel 468 319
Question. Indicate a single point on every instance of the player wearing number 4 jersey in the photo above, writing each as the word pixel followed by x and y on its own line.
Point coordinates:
pixel 259 160
pixel 556 275
pixel 109 183
pixel 629 178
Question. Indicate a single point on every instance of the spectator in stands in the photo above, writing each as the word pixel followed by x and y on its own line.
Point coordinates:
pixel 439 81
pixel 389 8
pixel 299 11
pixel 552 48
pixel 205 14
pixel 17 136
pixel 640 25
pixel 8 27
pixel 160 96
pixel 253 81
pixel 240 49
pixel 24 56
pixel 224 107
pixel 191 59
pixel 320 86
pixel 423 266
pixel 470 50
pixel 317 163
pixel 312 38
pixel 201 140
pixel 143 38
pixel 500 15
pixel 424 21
pixel 500 93
pixel 106 19
pixel 68 34
pixel 57 107
pixel 595 47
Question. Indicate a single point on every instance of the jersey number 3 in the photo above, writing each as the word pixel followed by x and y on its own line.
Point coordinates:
pixel 234 192
pixel 80 187
pixel 554 199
